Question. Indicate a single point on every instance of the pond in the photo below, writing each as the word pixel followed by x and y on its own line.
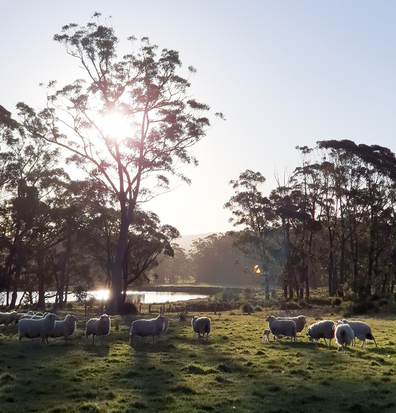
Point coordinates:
pixel 144 297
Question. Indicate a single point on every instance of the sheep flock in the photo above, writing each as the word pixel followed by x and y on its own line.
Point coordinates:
pixel 45 326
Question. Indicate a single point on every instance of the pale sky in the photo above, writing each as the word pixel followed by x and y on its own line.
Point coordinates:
pixel 284 73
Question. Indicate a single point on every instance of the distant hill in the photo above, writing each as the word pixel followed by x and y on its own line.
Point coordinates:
pixel 186 240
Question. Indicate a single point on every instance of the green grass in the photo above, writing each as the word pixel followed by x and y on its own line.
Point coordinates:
pixel 232 371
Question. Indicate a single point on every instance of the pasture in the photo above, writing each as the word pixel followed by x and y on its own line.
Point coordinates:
pixel 232 371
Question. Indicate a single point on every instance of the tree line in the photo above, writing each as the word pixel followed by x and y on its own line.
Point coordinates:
pixel 331 223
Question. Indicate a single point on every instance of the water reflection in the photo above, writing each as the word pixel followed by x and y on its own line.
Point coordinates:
pixel 137 297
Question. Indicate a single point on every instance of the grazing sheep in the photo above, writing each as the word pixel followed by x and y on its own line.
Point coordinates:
pixel 344 335
pixel 33 328
pixel 266 334
pixel 300 322
pixel 7 318
pixel 201 325
pixel 282 328
pixel 98 327
pixel 64 328
pixel 322 329
pixel 151 328
pixel 20 315
pixel 361 330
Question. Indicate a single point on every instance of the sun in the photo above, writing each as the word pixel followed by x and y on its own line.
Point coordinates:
pixel 115 125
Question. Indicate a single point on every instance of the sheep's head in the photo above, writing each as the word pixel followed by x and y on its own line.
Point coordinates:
pixel 51 316
pixel 270 318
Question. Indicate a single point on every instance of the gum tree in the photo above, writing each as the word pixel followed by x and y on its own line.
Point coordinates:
pixel 143 93
pixel 254 212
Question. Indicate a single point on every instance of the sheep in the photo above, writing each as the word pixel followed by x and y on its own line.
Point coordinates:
pixel 24 315
pixel 151 328
pixel 7 318
pixel 201 325
pixel 98 327
pixel 361 330
pixel 300 322
pixel 33 328
pixel 64 328
pixel 322 329
pixel 344 335
pixel 282 328
pixel 266 334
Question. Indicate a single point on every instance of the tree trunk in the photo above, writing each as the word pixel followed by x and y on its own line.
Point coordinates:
pixel 40 277
pixel 116 297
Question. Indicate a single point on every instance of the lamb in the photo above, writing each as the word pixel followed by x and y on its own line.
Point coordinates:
pixel 300 322
pixel 7 318
pixel 33 328
pixel 201 325
pixel 282 328
pixel 344 335
pixel 266 334
pixel 98 327
pixel 322 329
pixel 151 328
pixel 361 330
pixel 64 328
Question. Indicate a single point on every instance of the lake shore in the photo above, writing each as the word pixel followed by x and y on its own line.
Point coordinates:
pixel 191 289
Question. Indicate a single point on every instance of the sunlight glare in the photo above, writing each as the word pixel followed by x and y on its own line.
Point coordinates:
pixel 115 125
pixel 100 294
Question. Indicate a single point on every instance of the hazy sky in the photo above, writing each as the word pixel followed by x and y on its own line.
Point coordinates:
pixel 284 73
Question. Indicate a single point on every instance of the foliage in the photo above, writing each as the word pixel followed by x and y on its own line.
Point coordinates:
pixel 253 211
pixel 331 223
pixel 145 92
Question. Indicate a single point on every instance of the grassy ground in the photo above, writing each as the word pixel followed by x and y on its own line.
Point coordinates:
pixel 232 371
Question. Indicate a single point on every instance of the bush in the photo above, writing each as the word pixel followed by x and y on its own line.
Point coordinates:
pixel 128 308
pixel 230 295
pixel 365 307
pixel 247 308
pixel 320 301
pixel 289 306
pixel 337 302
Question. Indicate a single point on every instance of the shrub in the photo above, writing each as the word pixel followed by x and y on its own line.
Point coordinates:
pixel 230 295
pixel 247 308
pixel 337 302
pixel 289 306
pixel 365 307
pixel 128 308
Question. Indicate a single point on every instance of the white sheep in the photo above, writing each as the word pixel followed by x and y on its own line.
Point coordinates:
pixel 300 322
pixel 7 318
pixel 32 328
pixel 20 315
pixel 361 330
pixel 322 329
pixel 64 328
pixel 282 328
pixel 98 327
pixel 151 328
pixel 201 325
pixel 344 335
pixel 266 334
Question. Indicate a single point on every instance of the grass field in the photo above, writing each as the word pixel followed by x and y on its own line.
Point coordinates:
pixel 232 371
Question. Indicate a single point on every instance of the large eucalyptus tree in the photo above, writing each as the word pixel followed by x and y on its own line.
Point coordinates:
pixel 141 91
